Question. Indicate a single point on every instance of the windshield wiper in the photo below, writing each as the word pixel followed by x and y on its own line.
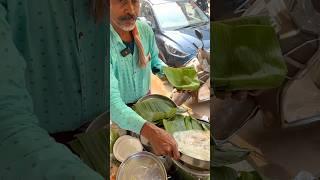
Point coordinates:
pixel 187 26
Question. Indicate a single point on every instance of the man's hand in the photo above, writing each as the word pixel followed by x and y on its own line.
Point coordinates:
pixel 161 141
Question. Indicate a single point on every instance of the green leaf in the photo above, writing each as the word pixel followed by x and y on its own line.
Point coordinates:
pixel 228 155
pixel 175 125
pixel 188 123
pixel 196 124
pixel 247 55
pixel 224 173
pixel 93 149
pixel 184 78
pixel 154 110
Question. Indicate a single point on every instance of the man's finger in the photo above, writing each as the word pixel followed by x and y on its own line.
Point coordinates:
pixel 176 153
pixel 168 151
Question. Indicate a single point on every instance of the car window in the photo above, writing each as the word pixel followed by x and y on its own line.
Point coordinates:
pixel 146 12
pixel 175 15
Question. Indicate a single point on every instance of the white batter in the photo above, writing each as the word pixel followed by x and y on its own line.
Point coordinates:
pixel 194 143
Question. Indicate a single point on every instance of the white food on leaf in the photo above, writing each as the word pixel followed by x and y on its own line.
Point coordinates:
pixel 194 143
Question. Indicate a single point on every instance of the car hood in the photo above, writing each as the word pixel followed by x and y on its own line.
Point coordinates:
pixel 185 37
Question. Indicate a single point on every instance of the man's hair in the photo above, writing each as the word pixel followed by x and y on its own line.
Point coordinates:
pixel 99 9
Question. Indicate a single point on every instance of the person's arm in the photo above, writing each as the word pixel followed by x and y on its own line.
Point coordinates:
pixel 26 150
pixel 156 63
pixel 121 114
pixel 161 141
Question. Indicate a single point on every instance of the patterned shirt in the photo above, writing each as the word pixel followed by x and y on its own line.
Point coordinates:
pixel 128 81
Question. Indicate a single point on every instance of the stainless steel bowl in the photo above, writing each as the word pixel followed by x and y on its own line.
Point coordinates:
pixel 142 166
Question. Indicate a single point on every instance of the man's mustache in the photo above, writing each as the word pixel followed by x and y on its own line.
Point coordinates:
pixel 128 17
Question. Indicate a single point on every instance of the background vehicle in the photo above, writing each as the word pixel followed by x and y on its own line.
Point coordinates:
pixel 174 23
pixel 203 72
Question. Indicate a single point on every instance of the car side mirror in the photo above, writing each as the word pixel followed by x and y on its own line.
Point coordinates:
pixel 198 34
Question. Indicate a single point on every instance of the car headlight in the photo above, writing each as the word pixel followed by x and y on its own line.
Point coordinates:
pixel 173 50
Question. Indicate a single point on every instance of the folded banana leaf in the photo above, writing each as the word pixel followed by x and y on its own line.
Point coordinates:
pixel 184 78
pixel 155 110
pixel 247 55
pixel 93 149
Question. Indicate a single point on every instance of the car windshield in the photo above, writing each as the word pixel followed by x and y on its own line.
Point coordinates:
pixel 176 15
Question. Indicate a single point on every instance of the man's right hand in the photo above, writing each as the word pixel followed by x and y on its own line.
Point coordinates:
pixel 161 141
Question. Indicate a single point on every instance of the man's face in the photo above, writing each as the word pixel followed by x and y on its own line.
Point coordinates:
pixel 124 13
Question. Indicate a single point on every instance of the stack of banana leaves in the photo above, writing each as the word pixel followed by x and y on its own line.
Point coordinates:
pixel 164 114
pixel 246 55
pixel 183 78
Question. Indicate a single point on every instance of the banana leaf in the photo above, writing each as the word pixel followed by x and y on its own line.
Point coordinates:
pixel 175 124
pixel 93 149
pixel 184 78
pixel 246 56
pixel 196 125
pixel 155 110
pixel 228 155
pixel 188 122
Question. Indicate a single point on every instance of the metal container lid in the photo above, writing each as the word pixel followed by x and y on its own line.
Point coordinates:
pixel 142 166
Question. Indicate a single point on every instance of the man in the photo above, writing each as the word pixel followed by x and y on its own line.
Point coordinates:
pixel 133 56
pixel 52 74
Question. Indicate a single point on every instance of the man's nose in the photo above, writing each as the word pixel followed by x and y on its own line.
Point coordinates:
pixel 130 7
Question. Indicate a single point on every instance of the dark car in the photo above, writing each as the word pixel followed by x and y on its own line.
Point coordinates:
pixel 174 23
